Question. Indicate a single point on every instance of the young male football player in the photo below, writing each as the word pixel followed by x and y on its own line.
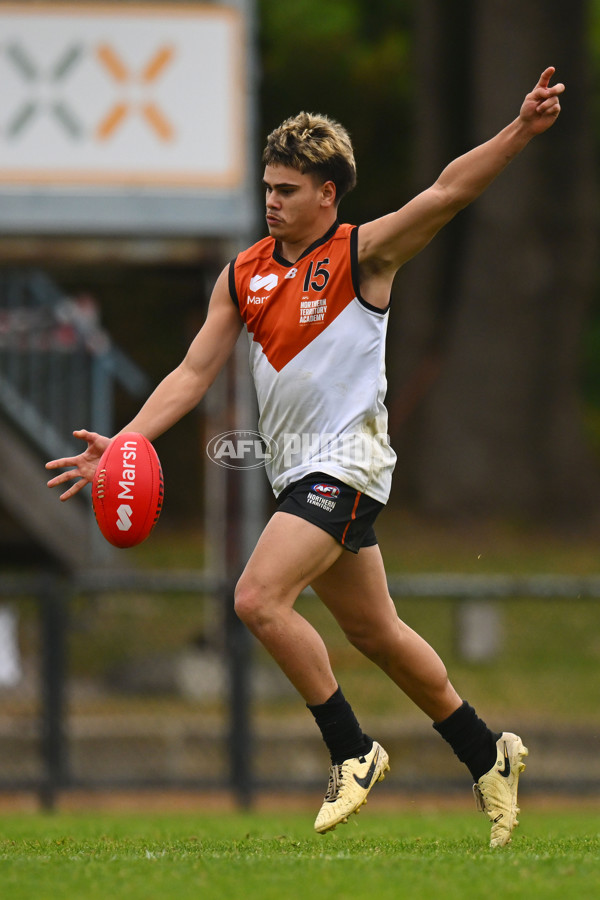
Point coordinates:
pixel 313 297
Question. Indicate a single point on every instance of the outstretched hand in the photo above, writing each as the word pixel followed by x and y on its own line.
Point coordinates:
pixel 85 463
pixel 541 107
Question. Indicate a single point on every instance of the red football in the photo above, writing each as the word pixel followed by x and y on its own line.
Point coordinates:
pixel 127 490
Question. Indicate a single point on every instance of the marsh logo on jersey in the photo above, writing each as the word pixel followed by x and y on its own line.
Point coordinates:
pixel 266 282
pixel 259 283
pixel 324 496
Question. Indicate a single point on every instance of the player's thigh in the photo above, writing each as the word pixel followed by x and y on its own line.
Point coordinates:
pixel 355 590
pixel 289 554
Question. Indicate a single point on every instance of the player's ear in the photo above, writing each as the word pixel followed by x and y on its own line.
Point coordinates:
pixel 328 193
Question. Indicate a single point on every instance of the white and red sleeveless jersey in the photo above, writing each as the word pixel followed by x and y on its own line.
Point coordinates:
pixel 317 358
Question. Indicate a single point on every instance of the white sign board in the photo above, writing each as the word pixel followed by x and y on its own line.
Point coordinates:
pixel 122 96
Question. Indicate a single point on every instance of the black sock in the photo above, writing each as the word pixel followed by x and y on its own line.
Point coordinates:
pixel 341 732
pixel 470 738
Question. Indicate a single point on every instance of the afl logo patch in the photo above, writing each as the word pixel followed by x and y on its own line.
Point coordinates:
pixel 327 490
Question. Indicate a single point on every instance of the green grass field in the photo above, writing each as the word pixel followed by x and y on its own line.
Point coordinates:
pixel 277 857
pixel 551 653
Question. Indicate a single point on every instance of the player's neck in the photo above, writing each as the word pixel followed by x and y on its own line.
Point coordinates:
pixel 293 250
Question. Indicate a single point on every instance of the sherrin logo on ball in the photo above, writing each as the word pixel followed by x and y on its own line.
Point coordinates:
pixel 128 490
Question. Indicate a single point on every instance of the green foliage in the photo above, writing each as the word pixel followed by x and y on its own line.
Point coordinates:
pixel 279 857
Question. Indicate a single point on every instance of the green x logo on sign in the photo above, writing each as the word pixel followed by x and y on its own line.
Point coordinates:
pixel 30 73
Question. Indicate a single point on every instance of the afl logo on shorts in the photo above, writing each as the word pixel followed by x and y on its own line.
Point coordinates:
pixel 327 490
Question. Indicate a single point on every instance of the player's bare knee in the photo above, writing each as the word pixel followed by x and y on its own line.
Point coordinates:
pixel 253 605
pixel 247 601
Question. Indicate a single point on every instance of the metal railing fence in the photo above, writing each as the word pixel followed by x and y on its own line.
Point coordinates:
pixel 57 364
pixel 216 750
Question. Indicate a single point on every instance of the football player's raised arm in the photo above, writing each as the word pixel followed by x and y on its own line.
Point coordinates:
pixel 386 243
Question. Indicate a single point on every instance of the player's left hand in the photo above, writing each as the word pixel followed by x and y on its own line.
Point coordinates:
pixel 85 463
pixel 541 107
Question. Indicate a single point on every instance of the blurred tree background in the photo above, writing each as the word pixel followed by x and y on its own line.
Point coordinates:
pixel 493 379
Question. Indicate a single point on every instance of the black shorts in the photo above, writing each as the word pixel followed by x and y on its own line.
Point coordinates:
pixel 335 507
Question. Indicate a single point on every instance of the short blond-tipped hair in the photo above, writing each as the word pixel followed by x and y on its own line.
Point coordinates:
pixel 317 145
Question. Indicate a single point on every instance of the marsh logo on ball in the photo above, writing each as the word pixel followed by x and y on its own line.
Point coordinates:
pixel 128 490
pixel 124 514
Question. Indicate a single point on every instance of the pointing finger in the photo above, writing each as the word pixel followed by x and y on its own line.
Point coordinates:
pixel 546 76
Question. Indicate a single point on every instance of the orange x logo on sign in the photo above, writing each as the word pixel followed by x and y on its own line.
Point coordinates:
pixel 121 74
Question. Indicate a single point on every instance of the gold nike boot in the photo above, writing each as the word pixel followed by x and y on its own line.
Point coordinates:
pixel 349 785
pixel 496 791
